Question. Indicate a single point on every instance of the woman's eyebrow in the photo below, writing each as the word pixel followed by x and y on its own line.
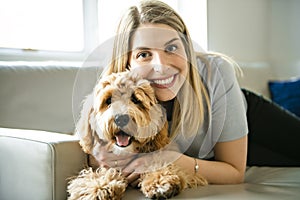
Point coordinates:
pixel 141 48
pixel 169 42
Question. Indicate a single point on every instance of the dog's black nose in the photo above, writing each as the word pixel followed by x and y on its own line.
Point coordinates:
pixel 121 120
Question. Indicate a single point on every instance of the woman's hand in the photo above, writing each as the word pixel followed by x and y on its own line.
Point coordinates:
pixel 147 163
pixel 133 170
pixel 106 158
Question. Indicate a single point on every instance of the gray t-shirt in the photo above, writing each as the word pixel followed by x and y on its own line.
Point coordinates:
pixel 227 120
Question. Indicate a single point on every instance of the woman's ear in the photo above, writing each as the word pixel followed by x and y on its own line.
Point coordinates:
pixel 84 128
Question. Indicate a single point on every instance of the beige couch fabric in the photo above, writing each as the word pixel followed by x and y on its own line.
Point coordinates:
pixel 35 165
pixel 261 183
pixel 38 152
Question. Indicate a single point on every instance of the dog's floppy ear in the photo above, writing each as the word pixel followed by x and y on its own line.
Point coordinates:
pixel 84 129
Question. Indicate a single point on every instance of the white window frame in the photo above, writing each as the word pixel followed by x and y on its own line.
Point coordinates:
pixel 90 37
pixel 91 33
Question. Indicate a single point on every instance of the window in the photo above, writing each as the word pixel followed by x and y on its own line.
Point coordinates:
pixel 71 29
pixel 44 25
pixel 193 13
pixel 40 27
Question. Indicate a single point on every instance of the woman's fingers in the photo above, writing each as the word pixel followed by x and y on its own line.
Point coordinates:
pixel 118 161
pixel 133 170
pixel 133 178
pixel 107 158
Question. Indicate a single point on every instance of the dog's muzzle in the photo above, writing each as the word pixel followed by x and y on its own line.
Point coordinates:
pixel 121 120
pixel 122 138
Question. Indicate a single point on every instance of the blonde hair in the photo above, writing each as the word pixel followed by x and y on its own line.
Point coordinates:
pixel 189 106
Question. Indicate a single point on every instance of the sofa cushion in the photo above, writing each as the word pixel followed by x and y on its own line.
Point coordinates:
pixel 286 93
pixel 267 183
pixel 37 164
pixel 40 95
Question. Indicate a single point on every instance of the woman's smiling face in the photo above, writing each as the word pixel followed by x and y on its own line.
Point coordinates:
pixel 158 55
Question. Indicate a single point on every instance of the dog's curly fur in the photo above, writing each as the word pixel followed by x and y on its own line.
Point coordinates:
pixel 122 111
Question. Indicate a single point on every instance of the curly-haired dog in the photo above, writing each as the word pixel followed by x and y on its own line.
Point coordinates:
pixel 122 111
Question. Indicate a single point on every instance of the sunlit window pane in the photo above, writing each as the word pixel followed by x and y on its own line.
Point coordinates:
pixel 55 25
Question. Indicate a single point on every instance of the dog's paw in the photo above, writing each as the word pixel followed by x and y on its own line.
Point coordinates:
pixel 162 187
pixel 106 184
pixel 164 191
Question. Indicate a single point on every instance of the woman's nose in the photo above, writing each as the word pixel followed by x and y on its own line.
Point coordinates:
pixel 158 62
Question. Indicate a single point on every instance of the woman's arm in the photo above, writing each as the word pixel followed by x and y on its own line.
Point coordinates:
pixel 229 165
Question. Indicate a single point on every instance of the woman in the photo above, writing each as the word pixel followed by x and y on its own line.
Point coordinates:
pixel 205 106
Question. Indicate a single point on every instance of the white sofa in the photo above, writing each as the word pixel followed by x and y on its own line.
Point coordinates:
pixel 38 153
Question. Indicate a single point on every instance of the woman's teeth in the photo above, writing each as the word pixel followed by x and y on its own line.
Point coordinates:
pixel 164 81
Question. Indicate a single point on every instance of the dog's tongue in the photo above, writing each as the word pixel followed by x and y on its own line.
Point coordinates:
pixel 122 139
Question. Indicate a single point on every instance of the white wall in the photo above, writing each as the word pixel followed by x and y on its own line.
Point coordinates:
pixel 285 37
pixel 257 31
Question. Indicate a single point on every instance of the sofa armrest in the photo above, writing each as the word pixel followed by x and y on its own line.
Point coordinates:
pixel 37 164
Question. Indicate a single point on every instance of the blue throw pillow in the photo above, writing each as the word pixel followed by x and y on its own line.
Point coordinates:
pixel 286 94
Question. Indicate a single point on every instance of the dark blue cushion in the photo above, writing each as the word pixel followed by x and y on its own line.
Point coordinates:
pixel 286 94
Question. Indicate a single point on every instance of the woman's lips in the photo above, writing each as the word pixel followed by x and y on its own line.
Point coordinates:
pixel 164 83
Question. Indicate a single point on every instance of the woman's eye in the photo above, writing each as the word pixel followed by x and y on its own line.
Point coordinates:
pixel 171 48
pixel 143 55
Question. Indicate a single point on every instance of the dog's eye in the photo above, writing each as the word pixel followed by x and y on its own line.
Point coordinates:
pixel 108 101
pixel 134 99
